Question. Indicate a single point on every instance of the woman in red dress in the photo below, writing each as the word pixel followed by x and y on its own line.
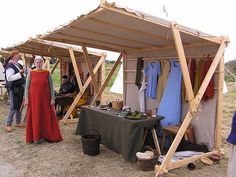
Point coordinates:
pixel 39 97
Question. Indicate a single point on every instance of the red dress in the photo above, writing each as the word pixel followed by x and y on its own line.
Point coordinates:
pixel 41 116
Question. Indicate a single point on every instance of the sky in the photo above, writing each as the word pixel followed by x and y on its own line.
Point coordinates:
pixel 26 18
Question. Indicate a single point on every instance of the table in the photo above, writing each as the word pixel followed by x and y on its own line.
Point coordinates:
pixel 121 135
pixel 64 100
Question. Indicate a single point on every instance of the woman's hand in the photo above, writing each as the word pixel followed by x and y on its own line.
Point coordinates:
pixel 52 102
pixel 26 102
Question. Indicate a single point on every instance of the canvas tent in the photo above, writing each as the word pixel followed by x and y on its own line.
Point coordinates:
pixel 81 60
pixel 135 34
pixel 117 86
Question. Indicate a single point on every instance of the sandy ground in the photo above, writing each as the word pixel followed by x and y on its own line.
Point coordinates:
pixel 66 158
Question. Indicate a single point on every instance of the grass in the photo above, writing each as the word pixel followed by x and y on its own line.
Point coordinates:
pixel 108 67
pixel 56 77
pixel 57 80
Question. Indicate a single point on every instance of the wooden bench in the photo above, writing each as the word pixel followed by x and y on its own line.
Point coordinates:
pixel 172 130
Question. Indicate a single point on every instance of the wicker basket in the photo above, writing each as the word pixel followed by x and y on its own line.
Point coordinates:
pixel 117 105
pixel 148 164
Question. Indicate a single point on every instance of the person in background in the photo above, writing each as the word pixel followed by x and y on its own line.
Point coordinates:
pixel 66 89
pixel 39 97
pixel 14 76
pixel 66 86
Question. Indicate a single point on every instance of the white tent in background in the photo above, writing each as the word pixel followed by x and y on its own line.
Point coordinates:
pixel 117 86
pixel 225 89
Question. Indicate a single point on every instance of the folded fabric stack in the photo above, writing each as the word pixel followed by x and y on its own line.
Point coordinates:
pixel 145 155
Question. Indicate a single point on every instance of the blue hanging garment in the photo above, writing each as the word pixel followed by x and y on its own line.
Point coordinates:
pixel 170 105
pixel 152 71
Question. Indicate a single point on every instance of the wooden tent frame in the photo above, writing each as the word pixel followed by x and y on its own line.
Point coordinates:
pixel 92 72
pixel 217 63
pixel 194 102
pixel 82 87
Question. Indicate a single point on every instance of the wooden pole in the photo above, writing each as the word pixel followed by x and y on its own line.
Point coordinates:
pixel 124 77
pixel 89 65
pixel 75 68
pixel 107 78
pixel 184 68
pixel 82 91
pixel 55 66
pixel 47 64
pixel 219 114
pixel 188 118
pixel 102 75
pixel 185 161
pixel 154 135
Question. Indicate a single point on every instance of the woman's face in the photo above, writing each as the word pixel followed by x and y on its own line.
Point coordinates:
pixel 38 64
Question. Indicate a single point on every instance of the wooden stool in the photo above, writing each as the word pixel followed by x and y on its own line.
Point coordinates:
pixel 172 130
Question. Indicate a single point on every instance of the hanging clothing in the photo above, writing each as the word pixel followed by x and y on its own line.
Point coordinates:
pixel 191 70
pixel 197 79
pixel 41 116
pixel 139 68
pixel 141 96
pixel 170 105
pixel 209 93
pixel 165 70
pixel 152 71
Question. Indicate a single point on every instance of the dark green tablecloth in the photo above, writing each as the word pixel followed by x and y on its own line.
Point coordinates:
pixel 122 135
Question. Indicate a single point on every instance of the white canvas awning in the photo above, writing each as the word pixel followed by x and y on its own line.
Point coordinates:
pixel 116 28
pixel 51 49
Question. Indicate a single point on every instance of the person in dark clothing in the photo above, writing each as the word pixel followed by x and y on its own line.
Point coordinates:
pixel 66 89
pixel 66 86
pixel 14 76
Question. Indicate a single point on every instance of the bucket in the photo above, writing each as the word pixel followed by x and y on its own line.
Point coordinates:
pixel 91 142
